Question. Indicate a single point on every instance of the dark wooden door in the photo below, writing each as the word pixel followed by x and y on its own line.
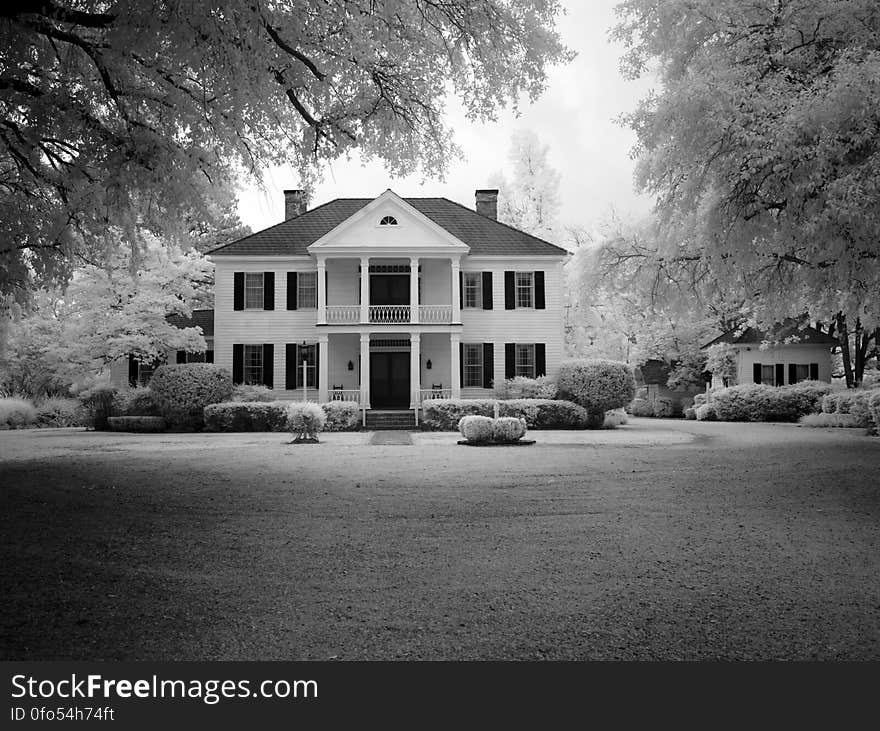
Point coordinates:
pixel 389 289
pixel 389 380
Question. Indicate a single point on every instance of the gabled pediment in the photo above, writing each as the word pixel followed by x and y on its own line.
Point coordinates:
pixel 389 226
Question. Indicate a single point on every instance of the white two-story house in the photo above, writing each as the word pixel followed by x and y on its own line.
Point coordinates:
pixel 387 301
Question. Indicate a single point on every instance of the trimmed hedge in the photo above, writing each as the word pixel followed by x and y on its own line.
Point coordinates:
pixel 757 402
pixel 542 387
pixel 706 412
pixel 842 421
pixel 476 428
pixel 597 385
pixel 664 408
pixel 507 429
pixel 139 401
pixel 342 415
pixel 16 413
pixel 640 407
pixel 545 413
pixel 485 430
pixel 183 391
pixel 854 403
pixel 246 416
pixel 252 392
pixel 136 423
pixel 444 414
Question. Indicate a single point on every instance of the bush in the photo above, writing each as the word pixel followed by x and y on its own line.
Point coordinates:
pixel 246 416
pixel 252 392
pixel 706 412
pixel 664 408
pixel 614 419
pixel 545 413
pixel 136 423
pixel 640 407
pixel 305 420
pixel 542 387
pixel 874 409
pixel 757 402
pixel 57 413
pixel 476 428
pixel 183 391
pixel 138 401
pixel 832 420
pixel 699 399
pixel 854 403
pixel 690 413
pixel 508 429
pixel 16 413
pixel 597 385
pixel 98 402
pixel 342 415
pixel 444 414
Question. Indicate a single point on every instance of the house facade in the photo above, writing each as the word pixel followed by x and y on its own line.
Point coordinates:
pixel 791 355
pixel 388 302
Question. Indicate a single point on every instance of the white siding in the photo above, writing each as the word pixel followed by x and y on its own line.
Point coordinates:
pixel 785 354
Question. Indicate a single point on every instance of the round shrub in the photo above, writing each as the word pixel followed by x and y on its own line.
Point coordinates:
pixel 305 420
pixel 690 413
pixel 476 428
pixel 597 385
pixel 640 407
pixel 507 429
pixel 16 413
pixel 252 392
pixel 55 413
pixel 545 413
pixel 706 412
pixel 664 407
pixel 699 399
pixel 183 391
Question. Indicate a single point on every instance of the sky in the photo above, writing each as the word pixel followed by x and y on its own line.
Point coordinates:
pixel 575 118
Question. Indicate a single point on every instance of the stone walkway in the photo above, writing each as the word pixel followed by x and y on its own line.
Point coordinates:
pixel 391 437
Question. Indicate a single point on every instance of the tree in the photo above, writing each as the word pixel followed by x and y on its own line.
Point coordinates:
pixel 763 150
pixel 104 314
pixel 529 200
pixel 112 110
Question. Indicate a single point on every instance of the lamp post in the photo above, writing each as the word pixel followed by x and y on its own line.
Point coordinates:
pixel 305 372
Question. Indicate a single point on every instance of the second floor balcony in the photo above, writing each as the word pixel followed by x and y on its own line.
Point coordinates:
pixel 388 314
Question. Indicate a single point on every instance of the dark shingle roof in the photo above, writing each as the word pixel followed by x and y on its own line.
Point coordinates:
pixel 483 235
pixel 203 318
pixel 753 336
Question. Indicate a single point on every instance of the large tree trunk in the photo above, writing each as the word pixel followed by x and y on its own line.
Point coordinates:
pixel 843 338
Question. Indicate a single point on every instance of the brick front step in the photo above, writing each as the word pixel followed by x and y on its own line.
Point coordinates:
pixel 384 420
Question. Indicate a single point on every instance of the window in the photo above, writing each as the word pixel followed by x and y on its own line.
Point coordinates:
pixel 525 288
pixel 801 372
pixel 768 376
pixel 473 365
pixel 307 291
pixel 145 373
pixel 388 221
pixel 525 360
pixel 253 290
pixel 253 364
pixel 195 357
pixel 473 289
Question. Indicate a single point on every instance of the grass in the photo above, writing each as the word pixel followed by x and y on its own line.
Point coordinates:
pixel 657 540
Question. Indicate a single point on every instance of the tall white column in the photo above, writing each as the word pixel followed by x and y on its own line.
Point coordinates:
pixel 415 369
pixel 454 343
pixel 365 290
pixel 323 367
pixel 365 370
pixel 456 290
pixel 414 289
pixel 322 292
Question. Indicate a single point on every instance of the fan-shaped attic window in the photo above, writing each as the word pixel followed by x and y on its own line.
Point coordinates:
pixel 388 221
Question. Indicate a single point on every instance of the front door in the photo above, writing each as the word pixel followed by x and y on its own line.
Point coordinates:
pixel 389 380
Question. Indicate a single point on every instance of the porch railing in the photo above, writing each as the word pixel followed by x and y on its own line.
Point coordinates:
pixel 344 394
pixel 435 313
pixel 389 314
pixel 343 314
pixel 429 394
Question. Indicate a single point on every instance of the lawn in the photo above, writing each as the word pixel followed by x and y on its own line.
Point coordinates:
pixel 660 540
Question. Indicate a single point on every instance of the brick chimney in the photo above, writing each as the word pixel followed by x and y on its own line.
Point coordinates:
pixel 294 203
pixel 487 203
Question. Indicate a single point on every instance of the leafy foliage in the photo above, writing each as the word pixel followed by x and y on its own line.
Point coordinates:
pixel 246 416
pixel 16 413
pixel 183 391
pixel 508 429
pixel 444 414
pixel 58 413
pixel 721 362
pixel 758 402
pixel 520 387
pixel 596 385
pixel 545 413
pixel 305 420
pixel 252 392
pixel 476 428
pixel 136 423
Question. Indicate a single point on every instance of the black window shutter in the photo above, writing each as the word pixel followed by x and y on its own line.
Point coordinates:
pixel 181 356
pixel 291 290
pixel 792 373
pixel 209 356
pixel 290 366
pixel 460 290
pixel 509 291
pixel 297 365
pixel 780 374
pixel 132 370
pixel 238 291
pixel 756 372
pixel 237 363
pixel 461 364
pixel 487 290
pixel 268 290
pixel 488 363
pixel 539 290
pixel 268 365
pixel 814 371
pixel 315 383
pixel 540 359
pixel 509 360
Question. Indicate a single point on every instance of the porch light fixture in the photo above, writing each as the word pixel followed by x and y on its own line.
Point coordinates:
pixel 428 364
pixel 350 366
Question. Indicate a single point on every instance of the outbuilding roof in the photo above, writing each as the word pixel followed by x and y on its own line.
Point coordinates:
pixel 484 236
pixel 754 336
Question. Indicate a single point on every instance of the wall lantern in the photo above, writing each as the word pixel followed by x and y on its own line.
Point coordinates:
pixel 428 364
pixel 350 366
